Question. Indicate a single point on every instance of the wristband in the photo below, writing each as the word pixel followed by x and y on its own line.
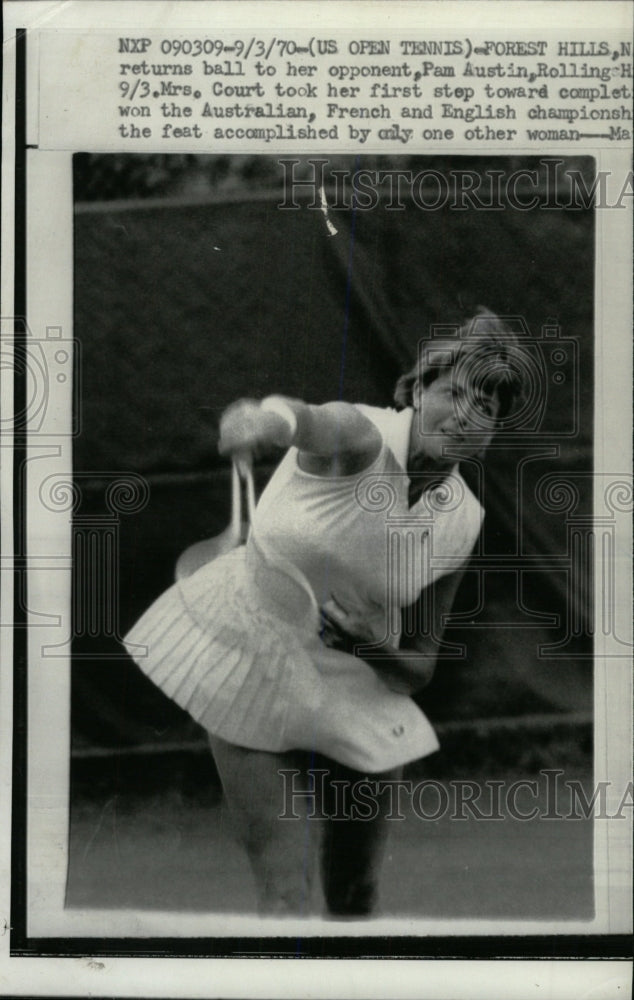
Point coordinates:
pixel 277 404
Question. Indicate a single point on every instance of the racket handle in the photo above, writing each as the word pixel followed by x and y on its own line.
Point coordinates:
pixel 242 470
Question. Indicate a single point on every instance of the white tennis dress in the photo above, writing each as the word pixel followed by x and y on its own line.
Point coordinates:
pixel 237 643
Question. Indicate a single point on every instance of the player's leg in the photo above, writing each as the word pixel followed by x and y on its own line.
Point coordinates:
pixel 280 850
pixel 355 838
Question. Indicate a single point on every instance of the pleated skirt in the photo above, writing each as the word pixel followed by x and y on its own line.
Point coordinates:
pixel 237 646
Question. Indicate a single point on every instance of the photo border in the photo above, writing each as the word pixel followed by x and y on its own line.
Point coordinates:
pixel 508 947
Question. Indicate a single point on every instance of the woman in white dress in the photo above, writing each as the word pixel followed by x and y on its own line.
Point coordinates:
pixel 290 650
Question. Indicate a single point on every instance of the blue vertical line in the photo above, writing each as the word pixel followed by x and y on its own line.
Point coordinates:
pixel 346 314
pixel 18 933
pixel 342 369
pixel 306 867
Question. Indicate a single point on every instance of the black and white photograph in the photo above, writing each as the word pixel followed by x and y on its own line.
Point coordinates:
pixel 367 708
pixel 321 497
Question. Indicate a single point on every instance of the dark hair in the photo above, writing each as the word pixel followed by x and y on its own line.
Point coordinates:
pixel 486 344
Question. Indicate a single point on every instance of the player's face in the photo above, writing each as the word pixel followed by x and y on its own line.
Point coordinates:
pixel 452 415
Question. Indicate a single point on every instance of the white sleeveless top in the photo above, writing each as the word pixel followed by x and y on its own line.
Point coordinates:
pixel 356 539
